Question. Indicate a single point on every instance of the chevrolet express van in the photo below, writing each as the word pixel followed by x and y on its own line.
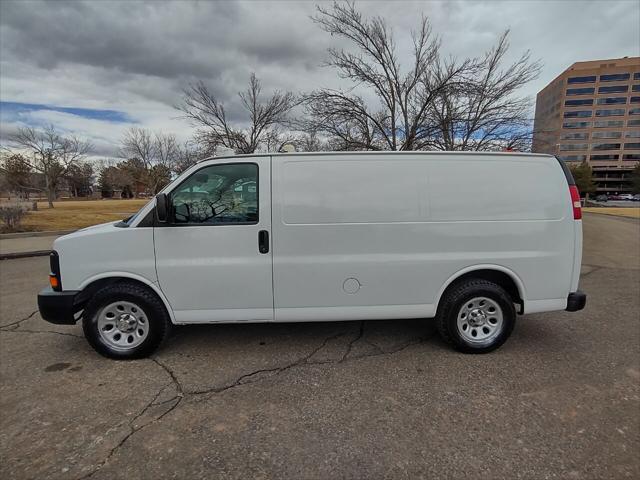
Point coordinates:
pixel 471 239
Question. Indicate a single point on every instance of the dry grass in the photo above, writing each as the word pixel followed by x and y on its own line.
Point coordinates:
pixel 71 215
pixel 630 212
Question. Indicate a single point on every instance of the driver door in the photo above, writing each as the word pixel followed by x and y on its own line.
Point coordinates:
pixel 213 256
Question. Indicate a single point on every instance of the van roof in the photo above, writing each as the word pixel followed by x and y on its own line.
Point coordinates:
pixel 379 152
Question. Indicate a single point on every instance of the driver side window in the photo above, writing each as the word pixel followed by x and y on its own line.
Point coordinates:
pixel 218 194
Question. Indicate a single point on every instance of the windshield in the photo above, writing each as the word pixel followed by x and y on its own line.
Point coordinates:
pixel 129 220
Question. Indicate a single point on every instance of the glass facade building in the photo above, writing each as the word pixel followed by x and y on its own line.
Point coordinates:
pixel 590 113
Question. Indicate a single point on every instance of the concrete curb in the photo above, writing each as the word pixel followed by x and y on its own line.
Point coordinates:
pixel 50 233
pixel 36 253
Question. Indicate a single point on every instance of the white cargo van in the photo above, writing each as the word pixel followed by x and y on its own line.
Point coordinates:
pixel 468 238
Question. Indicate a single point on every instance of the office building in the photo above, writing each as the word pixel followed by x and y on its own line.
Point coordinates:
pixel 591 112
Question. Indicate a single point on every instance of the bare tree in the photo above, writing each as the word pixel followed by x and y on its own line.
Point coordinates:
pixel 482 111
pixel 207 112
pixel 188 155
pixel 157 154
pixel 276 139
pixel 166 149
pixel 404 97
pixel 138 143
pixel 149 147
pixel 309 142
pixel 437 103
pixel 50 154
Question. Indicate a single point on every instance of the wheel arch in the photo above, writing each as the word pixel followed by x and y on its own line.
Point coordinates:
pixel 95 283
pixel 498 274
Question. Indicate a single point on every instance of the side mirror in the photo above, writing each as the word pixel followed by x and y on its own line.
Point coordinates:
pixel 162 207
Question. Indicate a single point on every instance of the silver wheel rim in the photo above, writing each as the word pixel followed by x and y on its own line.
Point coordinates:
pixel 480 321
pixel 123 325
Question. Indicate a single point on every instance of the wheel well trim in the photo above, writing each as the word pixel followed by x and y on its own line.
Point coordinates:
pixel 128 275
pixel 473 268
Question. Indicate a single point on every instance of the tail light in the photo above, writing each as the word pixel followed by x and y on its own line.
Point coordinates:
pixel 575 202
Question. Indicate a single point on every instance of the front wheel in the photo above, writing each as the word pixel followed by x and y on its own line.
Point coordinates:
pixel 124 321
pixel 476 316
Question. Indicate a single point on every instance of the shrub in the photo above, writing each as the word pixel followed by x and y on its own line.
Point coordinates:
pixel 11 216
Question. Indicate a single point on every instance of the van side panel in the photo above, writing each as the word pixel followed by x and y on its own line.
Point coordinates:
pixel 347 232
pixel 338 192
pixel 521 206
pixel 389 231
pixel 516 189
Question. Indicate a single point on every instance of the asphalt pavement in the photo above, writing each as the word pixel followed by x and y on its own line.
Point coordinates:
pixel 354 400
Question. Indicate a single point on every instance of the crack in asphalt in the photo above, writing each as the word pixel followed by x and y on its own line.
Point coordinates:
pixel 174 379
pixel 306 360
pixel 150 404
pixel 244 379
pixel 132 423
pixel 374 345
pixel 17 323
pixel 277 370
pixel 594 269
pixel 169 372
pixel 66 334
pixel 353 342
pixel 14 326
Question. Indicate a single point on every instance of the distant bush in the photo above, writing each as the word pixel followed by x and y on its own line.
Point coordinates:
pixel 11 216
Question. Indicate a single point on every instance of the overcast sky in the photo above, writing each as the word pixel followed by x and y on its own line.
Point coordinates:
pixel 95 68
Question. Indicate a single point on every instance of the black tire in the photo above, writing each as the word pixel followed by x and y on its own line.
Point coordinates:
pixel 157 317
pixel 454 300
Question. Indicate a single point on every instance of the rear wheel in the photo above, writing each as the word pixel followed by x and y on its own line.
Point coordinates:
pixel 476 316
pixel 125 320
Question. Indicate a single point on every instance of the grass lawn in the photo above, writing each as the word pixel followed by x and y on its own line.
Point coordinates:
pixel 71 215
pixel 631 212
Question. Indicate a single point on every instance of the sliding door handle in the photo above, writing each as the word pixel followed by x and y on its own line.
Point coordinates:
pixel 263 241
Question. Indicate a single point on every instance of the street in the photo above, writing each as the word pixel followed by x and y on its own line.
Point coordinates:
pixel 375 399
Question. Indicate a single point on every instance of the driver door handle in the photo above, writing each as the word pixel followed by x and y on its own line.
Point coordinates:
pixel 263 241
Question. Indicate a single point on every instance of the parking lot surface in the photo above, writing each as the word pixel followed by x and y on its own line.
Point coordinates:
pixel 377 399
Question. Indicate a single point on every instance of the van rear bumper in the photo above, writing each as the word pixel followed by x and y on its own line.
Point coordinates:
pixel 58 307
pixel 576 301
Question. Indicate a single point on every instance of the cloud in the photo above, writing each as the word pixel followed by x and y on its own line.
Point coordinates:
pixel 103 137
pixel 131 60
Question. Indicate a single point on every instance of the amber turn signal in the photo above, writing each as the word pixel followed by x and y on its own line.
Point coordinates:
pixel 53 281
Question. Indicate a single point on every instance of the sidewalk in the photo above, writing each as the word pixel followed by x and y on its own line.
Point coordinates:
pixel 26 246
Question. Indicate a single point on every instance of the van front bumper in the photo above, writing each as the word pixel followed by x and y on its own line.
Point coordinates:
pixel 576 301
pixel 58 307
